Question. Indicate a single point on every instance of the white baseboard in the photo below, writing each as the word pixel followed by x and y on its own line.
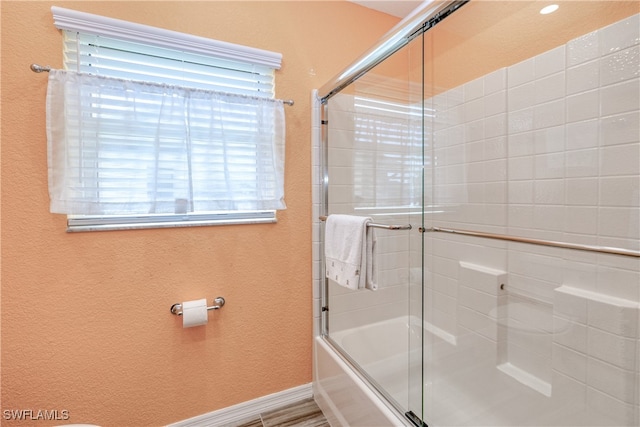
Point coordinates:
pixel 249 409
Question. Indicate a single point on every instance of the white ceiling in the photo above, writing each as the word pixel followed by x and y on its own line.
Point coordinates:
pixel 399 8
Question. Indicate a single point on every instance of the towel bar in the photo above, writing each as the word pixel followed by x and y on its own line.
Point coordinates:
pixel 385 226
pixel 565 245
pixel 177 308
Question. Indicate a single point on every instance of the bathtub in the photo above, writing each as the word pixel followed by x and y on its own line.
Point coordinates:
pixel 389 353
pixel 346 398
pixel 466 382
pixel 345 393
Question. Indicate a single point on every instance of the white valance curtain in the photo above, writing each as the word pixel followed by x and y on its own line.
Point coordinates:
pixel 126 147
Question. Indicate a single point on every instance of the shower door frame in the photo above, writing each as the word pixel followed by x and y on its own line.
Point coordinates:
pixel 399 37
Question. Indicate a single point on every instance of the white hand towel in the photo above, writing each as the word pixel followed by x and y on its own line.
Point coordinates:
pixel 349 251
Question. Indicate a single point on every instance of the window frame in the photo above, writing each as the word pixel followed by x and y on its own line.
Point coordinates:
pixel 86 23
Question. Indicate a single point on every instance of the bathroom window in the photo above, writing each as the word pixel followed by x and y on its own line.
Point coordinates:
pixel 153 128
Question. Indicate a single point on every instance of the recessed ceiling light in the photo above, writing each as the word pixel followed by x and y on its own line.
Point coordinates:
pixel 549 9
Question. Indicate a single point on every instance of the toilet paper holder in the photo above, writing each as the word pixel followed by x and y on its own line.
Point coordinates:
pixel 177 308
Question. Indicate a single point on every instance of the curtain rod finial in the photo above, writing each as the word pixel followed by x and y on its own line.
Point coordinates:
pixel 39 68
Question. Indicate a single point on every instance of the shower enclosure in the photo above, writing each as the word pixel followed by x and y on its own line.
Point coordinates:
pixel 505 144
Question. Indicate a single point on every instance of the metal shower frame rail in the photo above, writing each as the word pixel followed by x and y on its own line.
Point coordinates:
pixel 426 16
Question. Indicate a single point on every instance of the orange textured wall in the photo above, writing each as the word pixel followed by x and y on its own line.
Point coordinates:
pixel 85 317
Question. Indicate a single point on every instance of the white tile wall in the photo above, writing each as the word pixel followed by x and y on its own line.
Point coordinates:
pixel 573 174
pixel 479 310
pixel 596 343
pixel 358 162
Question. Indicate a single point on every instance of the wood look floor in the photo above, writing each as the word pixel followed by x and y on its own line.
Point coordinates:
pixel 301 414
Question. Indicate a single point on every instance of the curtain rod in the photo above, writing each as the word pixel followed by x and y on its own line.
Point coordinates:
pixel 40 69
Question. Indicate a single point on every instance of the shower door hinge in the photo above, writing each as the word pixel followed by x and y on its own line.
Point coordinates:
pixel 325 308
pixel 324 122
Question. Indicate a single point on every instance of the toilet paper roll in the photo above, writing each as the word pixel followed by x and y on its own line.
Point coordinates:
pixel 194 313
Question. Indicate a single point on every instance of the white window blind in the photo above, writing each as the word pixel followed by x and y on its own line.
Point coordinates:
pixel 106 56
pixel 155 136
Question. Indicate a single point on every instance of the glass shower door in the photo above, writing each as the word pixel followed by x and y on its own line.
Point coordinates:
pixel 418 144
pixel 533 121
pixel 374 169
